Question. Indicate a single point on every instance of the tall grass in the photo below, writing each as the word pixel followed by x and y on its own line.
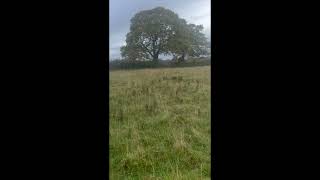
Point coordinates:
pixel 160 123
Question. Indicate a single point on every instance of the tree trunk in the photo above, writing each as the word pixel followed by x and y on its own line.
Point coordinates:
pixel 154 49
pixel 183 57
pixel 155 58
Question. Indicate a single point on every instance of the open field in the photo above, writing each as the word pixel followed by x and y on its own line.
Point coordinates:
pixel 160 123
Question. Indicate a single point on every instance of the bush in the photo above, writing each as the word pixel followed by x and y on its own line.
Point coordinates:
pixel 125 64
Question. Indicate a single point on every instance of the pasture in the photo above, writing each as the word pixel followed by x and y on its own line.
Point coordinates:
pixel 159 123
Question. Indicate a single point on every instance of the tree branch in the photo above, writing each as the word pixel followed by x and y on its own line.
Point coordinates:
pixel 146 49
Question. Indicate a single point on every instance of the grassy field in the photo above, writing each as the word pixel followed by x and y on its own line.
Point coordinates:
pixel 160 124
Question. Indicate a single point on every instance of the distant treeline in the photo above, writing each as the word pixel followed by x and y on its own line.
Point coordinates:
pixel 125 64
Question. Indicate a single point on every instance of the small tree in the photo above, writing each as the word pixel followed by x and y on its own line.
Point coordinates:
pixel 189 40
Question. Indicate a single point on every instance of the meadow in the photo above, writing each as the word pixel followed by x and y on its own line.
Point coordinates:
pixel 159 123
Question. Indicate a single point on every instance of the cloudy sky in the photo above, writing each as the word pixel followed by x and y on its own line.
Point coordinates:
pixel 121 11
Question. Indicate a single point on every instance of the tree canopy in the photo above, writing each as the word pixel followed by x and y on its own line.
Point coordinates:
pixel 161 31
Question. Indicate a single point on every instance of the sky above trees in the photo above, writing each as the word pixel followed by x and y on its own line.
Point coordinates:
pixel 121 11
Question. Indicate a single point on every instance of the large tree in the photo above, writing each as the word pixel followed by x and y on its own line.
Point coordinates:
pixel 149 34
pixel 161 31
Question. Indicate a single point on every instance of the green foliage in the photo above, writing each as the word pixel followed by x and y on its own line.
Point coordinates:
pixel 149 34
pixel 161 31
pixel 189 40
pixel 160 124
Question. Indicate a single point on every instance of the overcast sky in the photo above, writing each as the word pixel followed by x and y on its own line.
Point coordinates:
pixel 121 11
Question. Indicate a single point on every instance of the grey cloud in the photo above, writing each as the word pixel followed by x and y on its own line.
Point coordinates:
pixel 201 16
